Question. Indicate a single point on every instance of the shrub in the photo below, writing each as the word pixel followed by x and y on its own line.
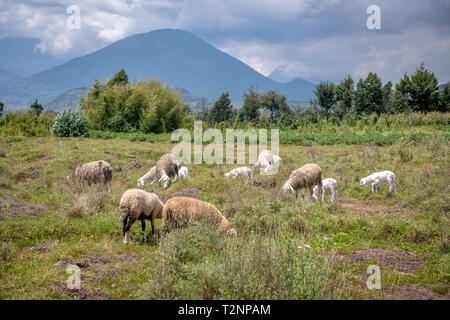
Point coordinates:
pixel 118 124
pixel 70 124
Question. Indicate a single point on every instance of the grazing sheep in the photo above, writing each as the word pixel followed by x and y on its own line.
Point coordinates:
pixel 306 176
pixel 183 173
pixel 92 173
pixel 166 168
pixel 137 204
pixel 241 171
pixel 151 175
pixel 265 160
pixel 327 184
pixel 377 177
pixel 277 162
pixel 182 212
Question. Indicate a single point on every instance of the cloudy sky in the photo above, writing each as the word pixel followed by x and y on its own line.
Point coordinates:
pixel 312 39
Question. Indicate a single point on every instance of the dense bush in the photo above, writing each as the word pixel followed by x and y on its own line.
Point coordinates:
pixel 120 106
pixel 26 123
pixel 70 124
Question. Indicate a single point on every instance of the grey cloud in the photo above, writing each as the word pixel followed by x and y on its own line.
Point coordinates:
pixel 315 39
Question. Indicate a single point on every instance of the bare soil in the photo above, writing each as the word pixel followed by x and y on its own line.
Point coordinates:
pixel 390 258
pixel 413 293
pixel 189 192
pixel 97 268
pixel 78 294
pixel 11 208
pixel 361 208
pixel 265 182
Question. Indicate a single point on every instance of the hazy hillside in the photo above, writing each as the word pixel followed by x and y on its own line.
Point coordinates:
pixel 176 57
pixel 67 100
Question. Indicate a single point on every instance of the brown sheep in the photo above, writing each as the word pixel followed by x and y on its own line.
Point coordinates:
pixel 137 204
pixel 182 212
pixel 306 176
pixel 165 169
pixel 92 173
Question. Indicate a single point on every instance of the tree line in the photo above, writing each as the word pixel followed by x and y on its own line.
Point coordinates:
pixel 418 92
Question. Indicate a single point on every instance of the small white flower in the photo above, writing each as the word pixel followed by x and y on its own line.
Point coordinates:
pixel 299 247
pixel 326 239
pixel 307 246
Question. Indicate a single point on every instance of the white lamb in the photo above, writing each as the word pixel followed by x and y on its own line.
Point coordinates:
pixel 327 184
pixel 241 171
pixel 183 173
pixel 377 177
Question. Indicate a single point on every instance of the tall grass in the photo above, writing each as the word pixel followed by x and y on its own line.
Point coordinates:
pixel 197 263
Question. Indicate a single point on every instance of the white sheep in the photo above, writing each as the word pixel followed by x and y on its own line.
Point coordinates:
pixel 137 204
pixel 241 171
pixel 268 163
pixel 377 177
pixel 327 184
pixel 265 160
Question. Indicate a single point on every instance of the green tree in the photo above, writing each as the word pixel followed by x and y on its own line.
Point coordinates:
pixel 120 78
pixel 444 99
pixel 326 98
pixel 37 107
pixel 250 109
pixel 221 110
pixel 344 97
pixel 369 95
pixel 399 100
pixel 1 108
pixel 387 91
pixel 423 90
pixel 275 103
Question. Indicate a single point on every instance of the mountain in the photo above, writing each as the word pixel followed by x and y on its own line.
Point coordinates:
pixel 20 57
pixel 175 57
pixel 68 100
pixel 7 77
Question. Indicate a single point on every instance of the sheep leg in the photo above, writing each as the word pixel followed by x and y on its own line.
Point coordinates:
pixel 153 227
pixel 374 186
pixel 392 186
pixel 143 229
pixel 323 194
pixel 126 229
pixel 311 194
pixel 109 188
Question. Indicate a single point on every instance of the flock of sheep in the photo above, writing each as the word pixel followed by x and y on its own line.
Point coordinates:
pixel 181 212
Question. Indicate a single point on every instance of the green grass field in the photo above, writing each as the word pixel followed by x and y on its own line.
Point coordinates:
pixel 284 249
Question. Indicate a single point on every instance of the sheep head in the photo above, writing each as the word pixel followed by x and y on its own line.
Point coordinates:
pixel 286 189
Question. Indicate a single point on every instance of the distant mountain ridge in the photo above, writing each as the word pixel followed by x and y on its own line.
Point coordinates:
pixel 175 57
